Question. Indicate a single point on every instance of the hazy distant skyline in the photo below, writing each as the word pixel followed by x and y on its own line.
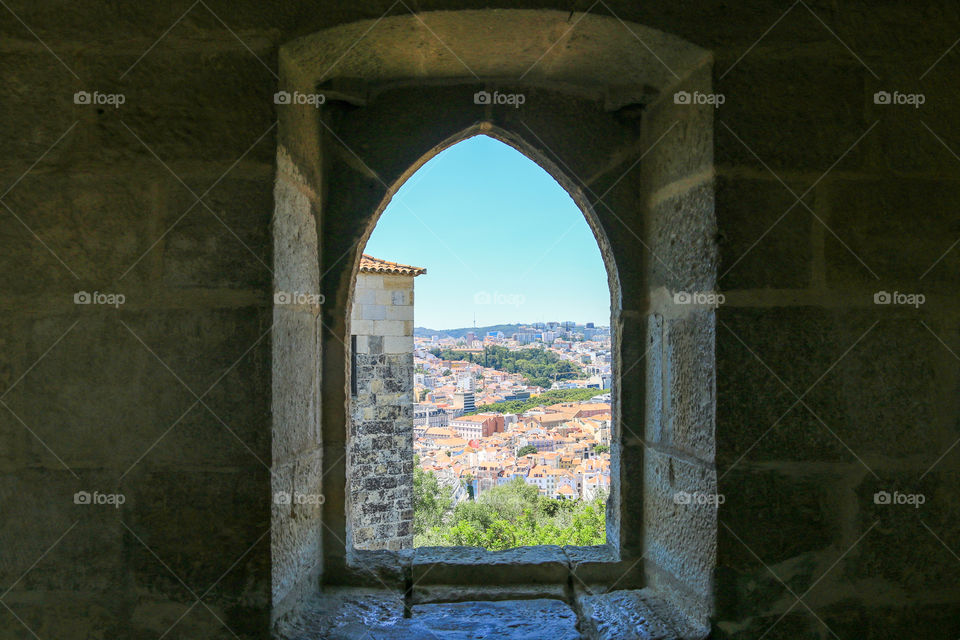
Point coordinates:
pixel 499 237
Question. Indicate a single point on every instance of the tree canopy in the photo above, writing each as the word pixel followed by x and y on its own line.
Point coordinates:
pixel 546 398
pixel 537 365
pixel 511 515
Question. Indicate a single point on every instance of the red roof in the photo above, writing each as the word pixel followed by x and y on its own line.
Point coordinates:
pixel 369 264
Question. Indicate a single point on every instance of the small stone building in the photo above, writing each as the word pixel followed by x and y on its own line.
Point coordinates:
pixel 381 431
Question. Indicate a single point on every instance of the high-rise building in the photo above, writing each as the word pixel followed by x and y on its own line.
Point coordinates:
pixel 464 402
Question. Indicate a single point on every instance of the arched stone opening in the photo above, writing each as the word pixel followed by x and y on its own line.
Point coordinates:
pixel 600 116
pixel 389 472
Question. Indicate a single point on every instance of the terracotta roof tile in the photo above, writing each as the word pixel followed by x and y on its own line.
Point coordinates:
pixel 369 264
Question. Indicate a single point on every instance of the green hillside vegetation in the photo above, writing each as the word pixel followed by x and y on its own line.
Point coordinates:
pixel 546 398
pixel 425 332
pixel 508 516
pixel 537 365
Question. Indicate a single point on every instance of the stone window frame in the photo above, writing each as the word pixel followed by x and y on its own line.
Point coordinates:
pixel 393 100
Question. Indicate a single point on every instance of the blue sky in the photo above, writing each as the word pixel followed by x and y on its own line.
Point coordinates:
pixel 499 237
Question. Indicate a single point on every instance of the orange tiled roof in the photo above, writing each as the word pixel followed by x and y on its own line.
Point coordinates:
pixel 369 264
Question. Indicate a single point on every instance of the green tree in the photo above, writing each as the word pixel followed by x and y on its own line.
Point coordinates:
pixel 526 450
pixel 431 502
pixel 601 448
pixel 546 398
pixel 537 365
pixel 515 514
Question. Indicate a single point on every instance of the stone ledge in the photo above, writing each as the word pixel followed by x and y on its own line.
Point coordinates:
pixel 371 615
pixel 632 615
pixel 378 614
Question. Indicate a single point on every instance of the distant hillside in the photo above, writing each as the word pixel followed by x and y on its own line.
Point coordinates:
pixel 423 332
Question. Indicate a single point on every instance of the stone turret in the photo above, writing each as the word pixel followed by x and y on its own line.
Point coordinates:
pixel 380 482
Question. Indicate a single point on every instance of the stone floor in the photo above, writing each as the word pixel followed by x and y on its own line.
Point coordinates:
pixel 363 614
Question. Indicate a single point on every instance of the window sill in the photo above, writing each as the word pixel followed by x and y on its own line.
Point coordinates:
pixel 374 614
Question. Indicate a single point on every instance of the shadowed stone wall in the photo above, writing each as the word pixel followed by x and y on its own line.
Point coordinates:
pixel 823 198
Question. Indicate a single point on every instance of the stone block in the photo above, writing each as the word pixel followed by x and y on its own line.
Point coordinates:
pixel 680 519
pixel 96 224
pixel 224 240
pixel 908 514
pixel 678 138
pixel 896 227
pixel 765 234
pixel 792 115
pixel 295 244
pixel 623 615
pixel 683 241
pixel 81 615
pixel 373 312
pixel 399 313
pixel 473 565
pixel 779 517
pixel 398 345
pixel 689 371
pixel 42 505
pixel 185 107
pixel 83 397
pixel 853 618
pixel 768 357
pixel 228 511
pixel 653 415
pixel 39 107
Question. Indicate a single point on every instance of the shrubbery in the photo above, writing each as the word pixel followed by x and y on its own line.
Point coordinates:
pixel 511 515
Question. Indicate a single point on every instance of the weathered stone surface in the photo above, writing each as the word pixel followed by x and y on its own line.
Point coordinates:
pixel 678 140
pixel 221 241
pixel 782 127
pixel 653 415
pixel 443 565
pixel 342 610
pixel 898 248
pixel 98 226
pixel 380 457
pixel 379 616
pixel 680 515
pixel 690 387
pixel 766 359
pixel 907 515
pixel 622 615
pixel 798 92
pixel 805 511
pixel 683 241
pixel 765 234
pixel 849 618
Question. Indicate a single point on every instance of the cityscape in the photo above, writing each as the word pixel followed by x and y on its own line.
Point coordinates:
pixel 523 403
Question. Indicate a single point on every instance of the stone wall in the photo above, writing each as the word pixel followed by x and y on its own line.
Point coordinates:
pixel 99 200
pixel 380 464
pixel 680 535
pixel 297 473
